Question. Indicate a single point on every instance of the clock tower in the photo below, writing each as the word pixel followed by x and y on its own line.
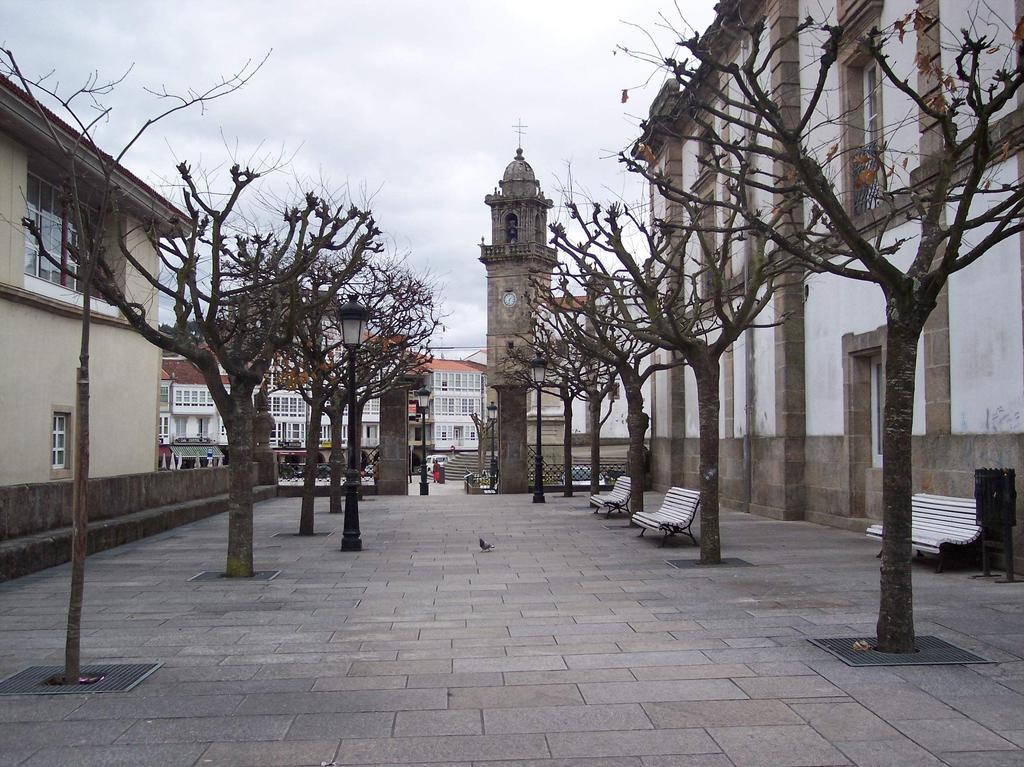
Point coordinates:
pixel 518 253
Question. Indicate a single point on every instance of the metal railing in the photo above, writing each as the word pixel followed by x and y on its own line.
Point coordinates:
pixel 553 473
pixel 865 168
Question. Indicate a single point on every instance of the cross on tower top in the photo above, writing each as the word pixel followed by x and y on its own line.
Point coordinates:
pixel 519 129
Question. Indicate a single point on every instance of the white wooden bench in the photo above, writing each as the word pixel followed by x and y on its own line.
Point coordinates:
pixel 938 521
pixel 615 500
pixel 675 515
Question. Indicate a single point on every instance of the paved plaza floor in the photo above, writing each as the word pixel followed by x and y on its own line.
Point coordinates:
pixel 572 643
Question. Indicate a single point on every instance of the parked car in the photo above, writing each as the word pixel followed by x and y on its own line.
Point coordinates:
pixel 441 458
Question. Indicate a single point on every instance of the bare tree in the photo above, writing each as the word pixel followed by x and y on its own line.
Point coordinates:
pixel 403 316
pixel 686 284
pixel 571 375
pixel 902 205
pixel 583 311
pixel 94 193
pixel 246 285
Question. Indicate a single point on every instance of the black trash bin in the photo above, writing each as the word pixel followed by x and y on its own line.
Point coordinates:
pixel 995 498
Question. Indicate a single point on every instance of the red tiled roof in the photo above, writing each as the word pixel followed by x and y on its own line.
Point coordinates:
pixel 12 88
pixel 455 366
pixel 183 372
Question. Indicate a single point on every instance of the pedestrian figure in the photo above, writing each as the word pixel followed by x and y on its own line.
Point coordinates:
pixel 437 471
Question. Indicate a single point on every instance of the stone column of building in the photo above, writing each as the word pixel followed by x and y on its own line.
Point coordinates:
pixel 517 256
pixel 513 455
pixel 786 471
pixel 393 466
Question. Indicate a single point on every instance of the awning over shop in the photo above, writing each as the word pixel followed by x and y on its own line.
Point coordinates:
pixel 196 451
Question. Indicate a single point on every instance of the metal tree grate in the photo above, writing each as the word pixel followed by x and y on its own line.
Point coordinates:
pixel 931 651
pixel 686 564
pixel 217 575
pixel 116 677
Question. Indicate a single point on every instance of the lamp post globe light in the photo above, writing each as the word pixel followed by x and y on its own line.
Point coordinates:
pixel 352 317
pixel 492 422
pixel 422 401
pixel 538 371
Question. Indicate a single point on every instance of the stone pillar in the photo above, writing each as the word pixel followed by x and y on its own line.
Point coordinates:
pixel 393 467
pixel 262 454
pixel 512 453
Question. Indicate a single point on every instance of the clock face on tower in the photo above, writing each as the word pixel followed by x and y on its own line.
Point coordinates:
pixel 509 299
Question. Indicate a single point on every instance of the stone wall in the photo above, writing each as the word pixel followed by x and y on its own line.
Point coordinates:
pixel 36 508
pixel 838 492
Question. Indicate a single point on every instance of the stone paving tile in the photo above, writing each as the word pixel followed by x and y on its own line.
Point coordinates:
pixel 683 760
pixel 455 722
pixel 514 696
pixel 344 701
pixel 776 746
pixel 566 719
pixel 335 683
pixel 571 676
pixel 176 755
pixel 952 735
pixel 441 749
pixel 29 708
pixel 352 725
pixel 719 713
pixel 789 687
pixel 900 752
pixel 530 663
pixel 384 668
pixel 707 671
pixel 982 759
pixel 269 754
pixel 844 721
pixel 115 707
pixel 32 735
pixel 892 702
pixel 655 692
pixel 631 743
pixel 208 728
pixel 636 659
pixel 616 761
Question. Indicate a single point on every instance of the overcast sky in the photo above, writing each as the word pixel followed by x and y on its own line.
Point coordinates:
pixel 413 101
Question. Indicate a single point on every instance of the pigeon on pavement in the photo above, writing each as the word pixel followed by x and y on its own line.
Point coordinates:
pixel 485 546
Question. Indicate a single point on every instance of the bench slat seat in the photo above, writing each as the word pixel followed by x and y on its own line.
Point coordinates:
pixel 614 500
pixel 675 516
pixel 937 521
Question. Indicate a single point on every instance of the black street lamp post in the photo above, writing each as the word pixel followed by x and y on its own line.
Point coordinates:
pixel 352 317
pixel 492 420
pixel 538 370
pixel 422 401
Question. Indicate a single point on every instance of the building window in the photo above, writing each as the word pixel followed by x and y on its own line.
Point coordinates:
pixel 165 427
pixel 877 409
pixel 325 432
pixel 866 142
pixel 59 441
pixel 165 393
pixel 179 426
pixel 204 426
pixel 46 210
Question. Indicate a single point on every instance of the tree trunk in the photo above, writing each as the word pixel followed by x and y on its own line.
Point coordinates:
pixel 79 503
pixel 567 445
pixel 707 373
pixel 337 458
pixel 306 524
pixel 895 627
pixel 240 433
pixel 594 415
pixel 637 422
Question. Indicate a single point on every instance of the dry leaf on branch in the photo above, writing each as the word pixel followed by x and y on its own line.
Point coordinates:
pixel 865 178
pixel 647 154
pixel 625 95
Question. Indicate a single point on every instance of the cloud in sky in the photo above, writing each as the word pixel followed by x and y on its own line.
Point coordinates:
pixel 411 101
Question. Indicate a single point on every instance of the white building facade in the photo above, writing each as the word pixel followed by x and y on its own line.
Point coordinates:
pixel 803 398
pixel 40 320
